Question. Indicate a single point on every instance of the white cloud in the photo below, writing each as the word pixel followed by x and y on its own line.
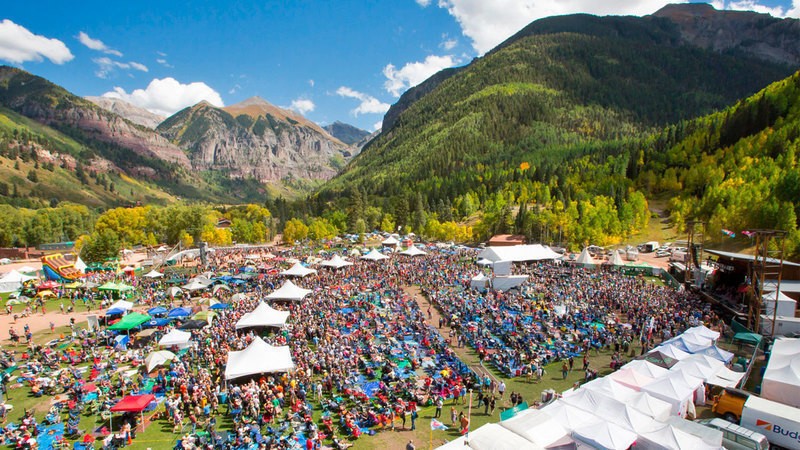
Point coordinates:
pixel 164 62
pixel 138 66
pixel 302 105
pixel 18 45
pixel 488 23
pixel 423 3
pixel 377 126
pixel 167 96
pixel 368 105
pixel 97 44
pixel 448 43
pixel 412 74
pixel 106 66
pixel 311 83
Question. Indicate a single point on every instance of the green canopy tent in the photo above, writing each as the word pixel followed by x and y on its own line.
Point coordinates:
pixel 130 322
pixel 748 338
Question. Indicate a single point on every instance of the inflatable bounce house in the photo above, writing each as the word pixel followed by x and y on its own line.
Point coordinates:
pixel 57 268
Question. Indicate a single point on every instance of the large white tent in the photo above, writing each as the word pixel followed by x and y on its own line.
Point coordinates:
pixel 570 416
pixel 704 331
pixel 258 357
pixel 491 437
pixel 670 437
pixel 646 368
pixel 80 265
pixel 518 253
pixel 605 435
pixel 12 281
pixel 289 291
pixel 298 270
pixel 672 351
pixel 263 316
pixel 536 426
pixel 674 390
pixel 336 262
pixel 122 304
pixel 611 388
pixel 479 281
pixel 616 259
pixel 631 378
pixel 413 251
pixel 391 241
pixel 374 255
pixel 585 258
pixel 177 338
pixel 153 274
pixel 690 343
pixel 653 407
pixel 157 358
pixel 782 376
pixel 613 411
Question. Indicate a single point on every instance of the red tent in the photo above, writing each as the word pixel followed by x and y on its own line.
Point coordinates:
pixel 133 403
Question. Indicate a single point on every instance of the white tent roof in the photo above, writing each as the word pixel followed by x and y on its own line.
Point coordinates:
pixel 390 241
pixel 781 297
pixel 781 380
pixel 672 351
pixel 702 330
pixel 336 262
pixel 122 304
pixel 717 353
pixel 672 438
pixel 484 262
pixel 646 368
pixel 480 277
pixel 585 257
pixel 491 436
pixel 258 357
pixel 194 285
pixel 173 291
pixel 631 378
pixel 413 251
pixel 695 368
pixel 298 270
pixel 80 265
pixel 653 407
pixel 570 416
pixel 27 269
pixel 289 291
pixel 690 343
pixel 157 358
pixel 13 280
pixel 605 435
pixel 263 316
pixel 153 274
pixel 374 255
pixel 616 259
pixel 518 253
pixel 175 337
pixel 611 388
pixel 536 426
pixel 612 410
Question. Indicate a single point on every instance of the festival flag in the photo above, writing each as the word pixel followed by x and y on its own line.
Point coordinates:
pixel 436 425
pixel 728 233
pixel 749 234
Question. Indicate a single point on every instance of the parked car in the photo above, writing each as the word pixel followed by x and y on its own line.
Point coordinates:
pixel 735 437
pixel 662 254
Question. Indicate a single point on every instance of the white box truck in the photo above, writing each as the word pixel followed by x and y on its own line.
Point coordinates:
pixel 778 422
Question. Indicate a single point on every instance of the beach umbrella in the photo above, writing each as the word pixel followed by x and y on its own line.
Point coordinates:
pixel 158 358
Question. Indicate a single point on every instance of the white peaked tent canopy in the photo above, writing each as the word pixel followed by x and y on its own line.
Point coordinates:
pixel 647 368
pixel 238 297
pixel 704 331
pixel 695 368
pixel 674 390
pixel 413 251
pixel 631 378
pixel 336 262
pixel 122 304
pixel 374 255
pixel 158 358
pixel 536 426
pixel 611 388
pixel 518 253
pixel 672 351
pixel 653 407
pixel 194 285
pixel 153 274
pixel 585 257
pixel 174 291
pixel 616 259
pixel 263 316
pixel 782 377
pixel 80 265
pixel 12 281
pixel 177 338
pixel 289 291
pixel 690 343
pixel 390 241
pixel 259 357
pixel 672 438
pixel 491 437
pixel 613 411
pixel 298 270
pixel 479 281
pixel 570 416
pixel 605 435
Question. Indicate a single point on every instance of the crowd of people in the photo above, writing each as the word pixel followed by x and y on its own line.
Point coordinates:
pixel 364 351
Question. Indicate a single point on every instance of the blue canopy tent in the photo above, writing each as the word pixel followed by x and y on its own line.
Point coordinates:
pixel 157 310
pixel 115 311
pixel 121 342
pixel 219 306
pixel 180 312
pixel 159 322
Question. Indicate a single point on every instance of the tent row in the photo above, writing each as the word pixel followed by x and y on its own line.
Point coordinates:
pixel 781 380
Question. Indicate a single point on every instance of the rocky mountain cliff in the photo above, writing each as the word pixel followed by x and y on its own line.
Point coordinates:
pixel 345 132
pixel 759 35
pixel 52 105
pixel 254 139
pixel 135 114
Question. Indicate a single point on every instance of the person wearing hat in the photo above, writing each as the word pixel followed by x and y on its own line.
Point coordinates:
pixel 410 445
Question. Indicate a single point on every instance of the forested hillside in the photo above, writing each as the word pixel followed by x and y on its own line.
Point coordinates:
pixel 546 126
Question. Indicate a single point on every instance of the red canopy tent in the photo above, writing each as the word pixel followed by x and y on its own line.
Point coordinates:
pixel 134 403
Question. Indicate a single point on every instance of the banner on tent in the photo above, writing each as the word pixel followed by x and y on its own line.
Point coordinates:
pixel 511 412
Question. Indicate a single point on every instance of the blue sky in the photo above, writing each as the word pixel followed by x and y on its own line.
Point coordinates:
pixel 329 60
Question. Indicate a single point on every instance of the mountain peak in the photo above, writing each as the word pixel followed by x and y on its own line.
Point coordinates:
pixel 253 101
pixel 686 9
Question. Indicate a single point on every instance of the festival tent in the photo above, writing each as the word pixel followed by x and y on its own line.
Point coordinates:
pixel 479 281
pixel 671 438
pixel 605 435
pixel 12 281
pixel 616 259
pixel 659 359
pixel 653 407
pixel 179 312
pixel 263 316
pixel 176 338
pixel 413 251
pixel 289 291
pixel 157 310
pixel 122 304
pixel 631 378
pixel 134 403
pixel 484 262
pixel 569 416
pixel 491 436
pixel 207 315
pixel 673 390
pixel 536 426
pixel 717 353
pixel 374 255
pixel 726 378
pixel 704 331
pixel 781 380
pixel 130 322
pixel 238 297
pixel 695 368
pixel 218 305
pixel 689 343
pixel 647 368
pixel 153 274
pixel 194 285
pixel 193 324
pixel 611 388
pixel 672 351
pixel 336 262
pixel 391 241
pixel 613 411
pixel 297 270
pixel 259 357
pixel 158 358
pixel 786 306
pixel 220 287
pixel 585 258
pixel 708 435
pixel 518 253
pixel 174 291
